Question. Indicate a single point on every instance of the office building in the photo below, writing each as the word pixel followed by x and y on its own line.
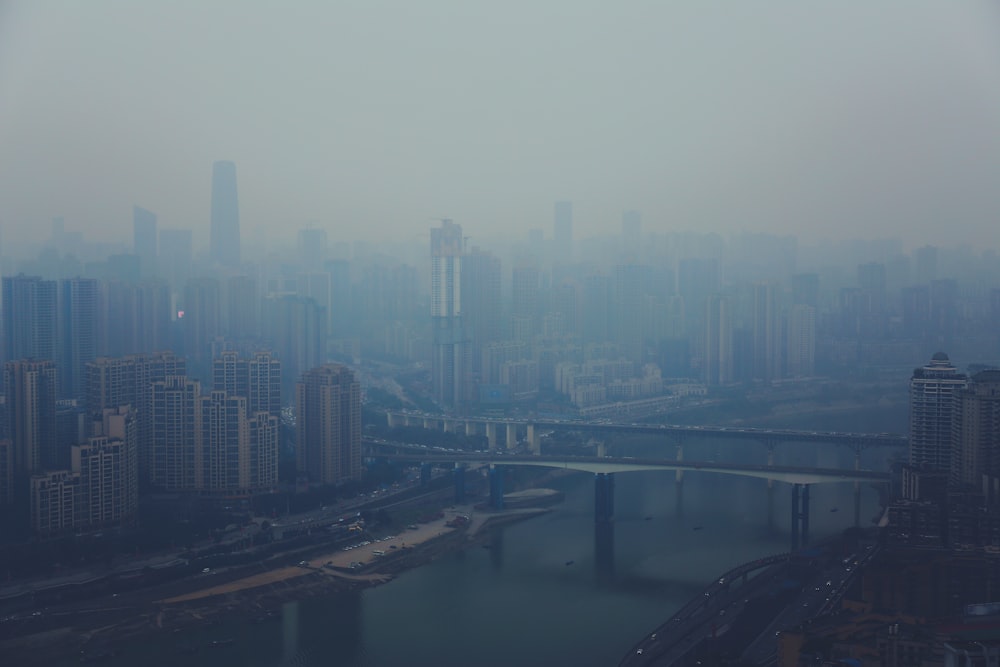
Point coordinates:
pixel 328 425
pixel 224 243
pixel 933 389
pixel 449 354
pixel 29 318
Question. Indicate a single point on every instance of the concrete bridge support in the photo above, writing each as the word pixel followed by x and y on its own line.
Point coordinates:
pixel 800 515
pixel 430 423
pixel 491 434
pixel 602 448
pixel 496 488
pixel 390 420
pixel 459 476
pixel 604 497
pixel 511 435
pixel 534 439
pixel 470 428
pixel 450 425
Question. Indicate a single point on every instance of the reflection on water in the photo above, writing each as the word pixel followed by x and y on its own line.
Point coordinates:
pixel 556 589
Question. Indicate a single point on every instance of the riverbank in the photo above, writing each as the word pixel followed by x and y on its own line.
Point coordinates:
pixel 96 628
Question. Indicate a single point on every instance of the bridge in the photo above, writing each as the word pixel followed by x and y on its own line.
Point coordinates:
pixel 604 469
pixel 532 428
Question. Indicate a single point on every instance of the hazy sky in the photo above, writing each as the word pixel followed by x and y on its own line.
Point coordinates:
pixel 824 119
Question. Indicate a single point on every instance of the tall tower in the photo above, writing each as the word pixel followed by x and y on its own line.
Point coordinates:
pixel 481 302
pixel 718 358
pixel 449 354
pixel 328 423
pixel 29 318
pixel 766 333
pixel 932 398
pixel 224 246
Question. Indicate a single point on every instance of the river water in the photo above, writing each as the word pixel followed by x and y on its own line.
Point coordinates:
pixel 550 590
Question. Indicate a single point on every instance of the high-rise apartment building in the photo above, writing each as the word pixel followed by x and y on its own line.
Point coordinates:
pixel 108 466
pixel 242 312
pixel 256 378
pixel 328 423
pixel 933 389
pixel 116 381
pixel 29 318
pixel 800 349
pixel 481 305
pixel 202 320
pixel 135 318
pixel 449 355
pixel 717 363
pixel 30 390
pixel 975 462
pixel 295 329
pixel 765 333
pixel 79 327
pixel 224 244
pixel 174 461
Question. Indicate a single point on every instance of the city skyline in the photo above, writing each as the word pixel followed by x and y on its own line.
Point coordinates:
pixel 758 119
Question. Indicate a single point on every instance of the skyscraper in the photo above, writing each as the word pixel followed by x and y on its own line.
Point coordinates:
pixel 224 247
pixel 174 461
pixel 718 358
pixel 328 425
pixel 29 318
pixel 932 400
pixel 448 363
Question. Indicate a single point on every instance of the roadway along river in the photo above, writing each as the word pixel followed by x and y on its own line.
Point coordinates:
pixel 538 595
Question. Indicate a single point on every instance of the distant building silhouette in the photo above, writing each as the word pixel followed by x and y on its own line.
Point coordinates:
pixel 975 463
pixel 144 238
pixel 449 357
pixel 328 425
pixel 79 327
pixel 224 247
pixel 562 231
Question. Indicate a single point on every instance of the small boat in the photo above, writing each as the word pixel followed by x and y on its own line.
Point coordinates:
pixel 697 528
pixel 834 509
pixel 570 562
pixel 649 518
pixel 222 642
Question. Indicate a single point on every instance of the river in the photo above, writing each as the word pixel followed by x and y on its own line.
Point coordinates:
pixel 542 592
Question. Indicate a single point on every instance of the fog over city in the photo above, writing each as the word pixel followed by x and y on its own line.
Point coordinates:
pixel 441 332
pixel 824 120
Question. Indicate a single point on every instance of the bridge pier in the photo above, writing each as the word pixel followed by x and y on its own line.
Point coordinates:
pixel 470 428
pixel 430 423
pixel 602 448
pixel 491 434
pixel 459 475
pixel 800 516
pixel 534 439
pixel 390 420
pixel 449 425
pixel 496 487
pixel 511 435
pixel 604 497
